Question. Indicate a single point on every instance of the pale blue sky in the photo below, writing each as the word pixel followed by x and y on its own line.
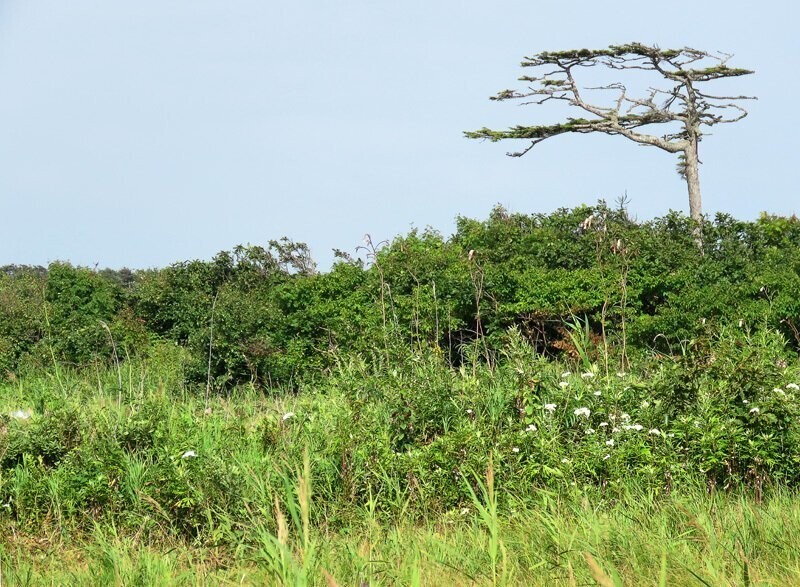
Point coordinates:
pixel 141 133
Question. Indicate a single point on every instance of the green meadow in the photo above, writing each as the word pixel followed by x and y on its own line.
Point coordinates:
pixel 534 400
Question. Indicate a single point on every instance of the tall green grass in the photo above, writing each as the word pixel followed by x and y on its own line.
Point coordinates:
pixel 414 474
pixel 686 539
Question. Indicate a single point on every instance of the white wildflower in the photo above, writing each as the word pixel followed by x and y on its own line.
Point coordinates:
pixel 515 449
pixel 626 417
pixel 603 424
pixel 563 384
pixel 793 386
pixel 614 430
pixel 645 404
pixel 754 410
pixel 654 431
pixel 590 431
pixel 470 412
pixel 583 412
pixel 550 408
pixel 566 374
pixel 598 393
pixel 638 427
pixel 189 454
pixel 530 428
pixel 610 442
pixel 621 374
pixel 564 461
pixel 21 414
pixel 745 402
pixel 671 435
pixel 606 457
pixel 587 375
pixel 287 415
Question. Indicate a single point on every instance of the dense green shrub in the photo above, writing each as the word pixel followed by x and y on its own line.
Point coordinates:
pixel 80 306
pixel 22 323
pixel 265 316
pixel 46 439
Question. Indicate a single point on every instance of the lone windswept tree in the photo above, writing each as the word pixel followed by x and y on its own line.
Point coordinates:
pixel 680 103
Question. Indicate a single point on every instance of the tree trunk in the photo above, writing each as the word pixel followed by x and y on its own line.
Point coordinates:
pixel 693 181
pixel 692 173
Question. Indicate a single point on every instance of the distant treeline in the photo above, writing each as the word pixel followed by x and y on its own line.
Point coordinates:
pixel 265 315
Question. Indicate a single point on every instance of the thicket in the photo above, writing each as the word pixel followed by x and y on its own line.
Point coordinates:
pixel 711 331
pixel 266 316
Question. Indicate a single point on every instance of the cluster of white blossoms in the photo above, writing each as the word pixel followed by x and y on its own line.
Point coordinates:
pixel 637 427
pixel 585 412
pixel 584 376
pixel 789 386
pixel 619 422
